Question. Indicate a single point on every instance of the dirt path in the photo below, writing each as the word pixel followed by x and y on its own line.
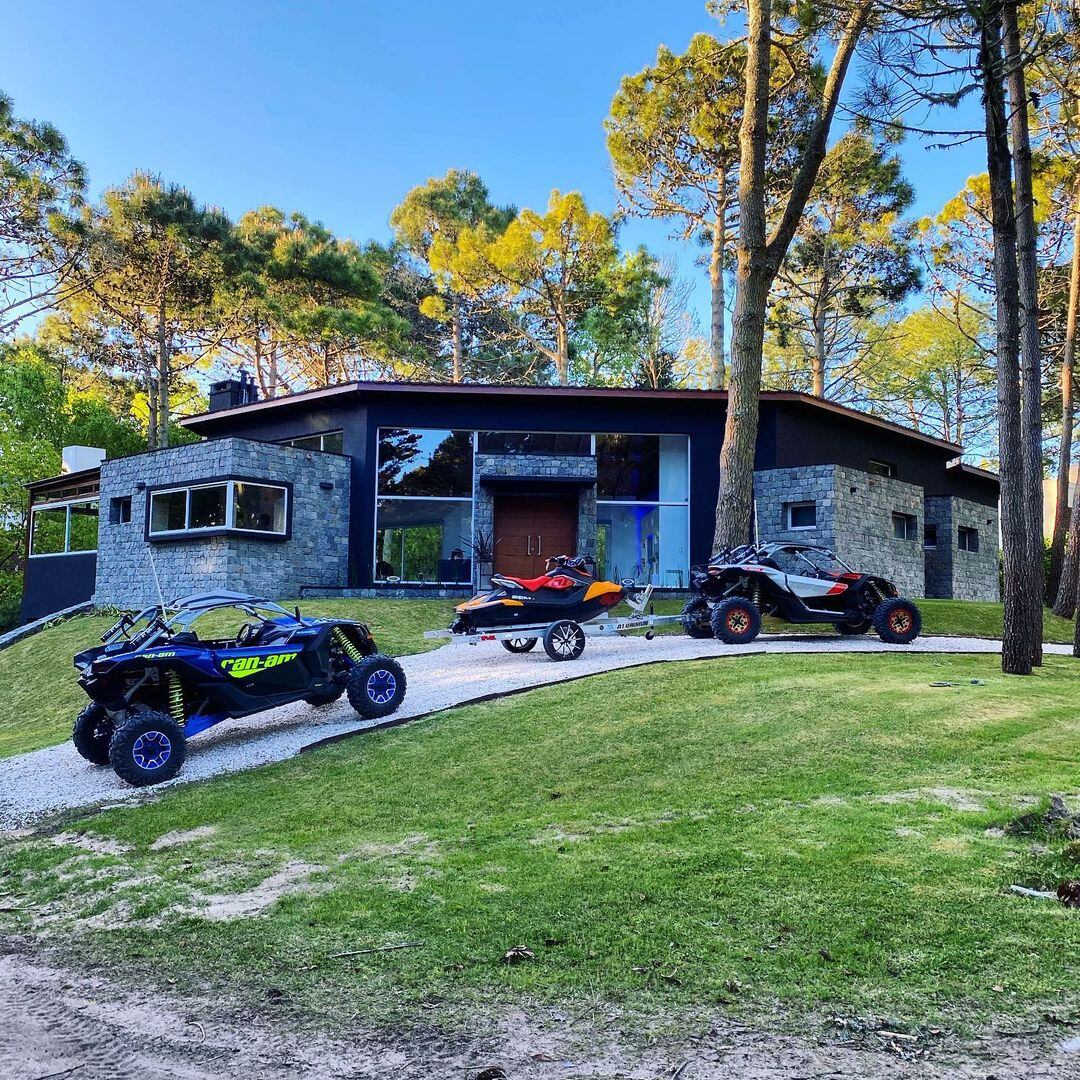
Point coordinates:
pixel 56 778
pixel 56 1024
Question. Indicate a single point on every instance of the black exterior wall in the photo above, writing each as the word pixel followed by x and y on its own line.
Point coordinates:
pixel 794 430
pixel 55 582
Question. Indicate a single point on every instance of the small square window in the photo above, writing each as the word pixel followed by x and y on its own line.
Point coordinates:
pixel 930 537
pixel 904 526
pixel 882 468
pixel 120 510
pixel 802 515
pixel 967 538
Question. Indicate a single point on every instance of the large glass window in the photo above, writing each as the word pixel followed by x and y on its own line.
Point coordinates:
pixel 66 529
pixel 437 464
pixel 331 442
pixel 419 540
pixel 628 467
pixel 534 442
pixel 233 504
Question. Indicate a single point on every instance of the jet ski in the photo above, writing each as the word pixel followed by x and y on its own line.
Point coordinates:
pixel 568 589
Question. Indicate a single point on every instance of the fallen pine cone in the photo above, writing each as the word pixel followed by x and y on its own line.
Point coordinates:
pixel 1069 893
pixel 517 954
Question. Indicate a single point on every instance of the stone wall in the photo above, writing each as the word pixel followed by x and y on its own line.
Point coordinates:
pixel 854 518
pixel 541 467
pixel 955 574
pixel 315 553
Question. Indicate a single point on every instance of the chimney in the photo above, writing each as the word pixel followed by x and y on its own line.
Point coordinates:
pixel 78 458
pixel 231 393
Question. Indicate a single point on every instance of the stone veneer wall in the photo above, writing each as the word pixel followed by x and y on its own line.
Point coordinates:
pixel 854 517
pixel 955 574
pixel 535 467
pixel 315 554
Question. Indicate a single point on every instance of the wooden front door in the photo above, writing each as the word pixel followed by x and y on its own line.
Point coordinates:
pixel 529 529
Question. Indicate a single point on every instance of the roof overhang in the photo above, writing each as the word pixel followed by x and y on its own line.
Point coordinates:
pixel 482 390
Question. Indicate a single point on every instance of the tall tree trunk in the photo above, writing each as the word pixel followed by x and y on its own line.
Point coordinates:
pixel 1027 258
pixel 1017 648
pixel 455 337
pixel 759 256
pixel 818 360
pixel 717 373
pixel 562 354
pixel 1069 585
pixel 1061 505
pixel 150 379
pixel 164 348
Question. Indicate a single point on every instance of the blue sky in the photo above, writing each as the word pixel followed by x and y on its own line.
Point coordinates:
pixel 337 109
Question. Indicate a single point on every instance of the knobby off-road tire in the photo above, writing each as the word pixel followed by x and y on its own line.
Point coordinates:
pixel 736 621
pixel 564 640
pixel 147 748
pixel 376 686
pixel 897 621
pixel 519 644
pixel 850 629
pixel 695 619
pixel 325 697
pixel 91 734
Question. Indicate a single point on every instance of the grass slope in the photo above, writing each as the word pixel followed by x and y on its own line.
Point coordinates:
pixel 42 698
pixel 805 828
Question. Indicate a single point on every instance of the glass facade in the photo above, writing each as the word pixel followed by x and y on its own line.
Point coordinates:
pixel 233 504
pixel 424 515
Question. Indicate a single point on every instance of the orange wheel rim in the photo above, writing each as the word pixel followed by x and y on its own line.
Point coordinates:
pixel 900 622
pixel 738 621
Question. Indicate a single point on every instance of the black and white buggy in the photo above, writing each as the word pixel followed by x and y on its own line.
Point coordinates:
pixel 799 583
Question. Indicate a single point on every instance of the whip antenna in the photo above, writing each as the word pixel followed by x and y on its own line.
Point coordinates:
pixel 157 580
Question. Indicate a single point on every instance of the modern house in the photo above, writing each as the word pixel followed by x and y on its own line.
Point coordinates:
pixel 388 488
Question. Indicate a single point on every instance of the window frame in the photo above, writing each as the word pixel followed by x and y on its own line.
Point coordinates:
pixel 800 504
pixel 65 505
pixel 229 483
pixel 927 544
pixel 888 466
pixel 911 526
pixel 321 436
pixel 969 530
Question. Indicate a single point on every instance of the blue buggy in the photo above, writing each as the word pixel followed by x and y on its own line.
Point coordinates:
pixel 153 682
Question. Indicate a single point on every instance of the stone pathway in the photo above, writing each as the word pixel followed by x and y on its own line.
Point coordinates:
pixel 56 778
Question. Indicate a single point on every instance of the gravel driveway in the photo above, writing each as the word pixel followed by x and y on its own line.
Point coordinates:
pixel 56 778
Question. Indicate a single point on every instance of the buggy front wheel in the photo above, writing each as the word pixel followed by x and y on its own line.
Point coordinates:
pixel 851 629
pixel 695 618
pixel 147 748
pixel 519 644
pixel 91 734
pixel 897 621
pixel 376 686
pixel 736 621
pixel 564 640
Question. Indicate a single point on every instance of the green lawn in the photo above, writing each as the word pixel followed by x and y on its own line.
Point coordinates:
pixel 41 695
pixel 805 830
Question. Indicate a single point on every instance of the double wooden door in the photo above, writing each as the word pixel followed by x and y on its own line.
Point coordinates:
pixel 529 529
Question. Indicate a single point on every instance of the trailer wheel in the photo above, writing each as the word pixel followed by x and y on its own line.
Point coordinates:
pixel 897 621
pixel 564 640
pixel 91 734
pixel 695 618
pixel 376 686
pixel 147 748
pixel 519 644
pixel 736 621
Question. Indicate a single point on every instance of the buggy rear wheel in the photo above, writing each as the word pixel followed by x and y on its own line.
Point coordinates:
pixel 91 734
pixel 519 644
pixel 564 640
pixel 147 748
pixel 695 618
pixel 897 621
pixel 376 686
pixel 850 629
pixel 736 621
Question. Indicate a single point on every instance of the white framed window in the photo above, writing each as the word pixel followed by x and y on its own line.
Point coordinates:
pixel 249 506
pixel 69 528
pixel 800 515
pixel 882 468
pixel 904 526
pixel 330 442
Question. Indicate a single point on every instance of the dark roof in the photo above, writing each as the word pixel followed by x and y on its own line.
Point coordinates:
pixel 498 389
pixel 83 476
pixel 974 470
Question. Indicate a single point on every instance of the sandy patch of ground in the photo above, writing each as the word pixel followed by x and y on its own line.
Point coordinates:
pixel 58 1022
pixel 180 836
pixel 292 878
